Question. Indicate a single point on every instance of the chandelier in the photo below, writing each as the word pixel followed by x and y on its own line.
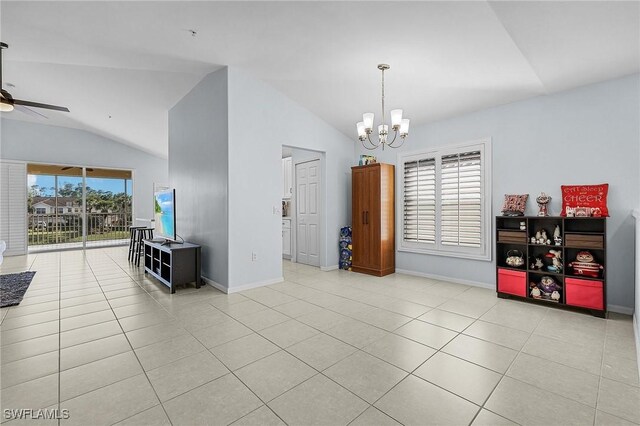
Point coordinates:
pixel 398 124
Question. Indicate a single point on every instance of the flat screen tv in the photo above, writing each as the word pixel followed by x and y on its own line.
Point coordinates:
pixel 165 214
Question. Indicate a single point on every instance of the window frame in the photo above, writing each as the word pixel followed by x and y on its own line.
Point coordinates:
pixel 484 252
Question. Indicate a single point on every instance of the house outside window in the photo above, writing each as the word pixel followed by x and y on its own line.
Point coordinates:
pixel 446 201
pixel 41 210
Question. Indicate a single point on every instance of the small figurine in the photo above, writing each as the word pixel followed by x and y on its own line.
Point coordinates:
pixel 541 237
pixel 535 293
pixel 555 296
pixel 557 238
pixel 586 265
pixel 533 240
pixel 542 200
pixel 537 264
pixel 523 226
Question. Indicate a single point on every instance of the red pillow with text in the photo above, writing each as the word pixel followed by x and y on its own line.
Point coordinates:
pixel 592 197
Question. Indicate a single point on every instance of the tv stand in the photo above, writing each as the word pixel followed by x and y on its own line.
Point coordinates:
pixel 172 263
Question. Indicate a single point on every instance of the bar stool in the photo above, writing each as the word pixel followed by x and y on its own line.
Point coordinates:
pixel 132 241
pixel 141 234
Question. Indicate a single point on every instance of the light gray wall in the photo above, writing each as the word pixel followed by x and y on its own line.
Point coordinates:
pixel 198 170
pixel 589 135
pixel 41 143
pixel 261 120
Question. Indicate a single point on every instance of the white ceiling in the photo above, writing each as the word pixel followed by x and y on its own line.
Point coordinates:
pixel 135 60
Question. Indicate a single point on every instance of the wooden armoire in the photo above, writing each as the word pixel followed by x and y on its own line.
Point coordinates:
pixel 373 219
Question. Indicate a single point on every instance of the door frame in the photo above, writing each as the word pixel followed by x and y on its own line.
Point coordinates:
pixel 312 156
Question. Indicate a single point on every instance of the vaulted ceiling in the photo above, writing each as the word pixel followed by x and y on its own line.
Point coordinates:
pixel 120 66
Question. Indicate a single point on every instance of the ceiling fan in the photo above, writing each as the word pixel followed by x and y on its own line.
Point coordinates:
pixel 7 102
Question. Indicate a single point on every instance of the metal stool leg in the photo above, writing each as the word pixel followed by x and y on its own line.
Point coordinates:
pixel 131 243
pixel 140 246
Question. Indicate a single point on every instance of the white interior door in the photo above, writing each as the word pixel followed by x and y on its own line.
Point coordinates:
pixel 308 212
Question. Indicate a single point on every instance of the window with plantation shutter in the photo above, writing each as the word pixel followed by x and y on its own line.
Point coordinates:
pixel 446 201
pixel 461 199
pixel 420 201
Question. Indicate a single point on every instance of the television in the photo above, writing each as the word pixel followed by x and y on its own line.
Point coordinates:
pixel 165 214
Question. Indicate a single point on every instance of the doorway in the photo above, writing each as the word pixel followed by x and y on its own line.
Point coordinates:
pixel 77 207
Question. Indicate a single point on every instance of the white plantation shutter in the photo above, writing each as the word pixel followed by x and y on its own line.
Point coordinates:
pixel 420 201
pixel 13 207
pixel 461 195
pixel 447 201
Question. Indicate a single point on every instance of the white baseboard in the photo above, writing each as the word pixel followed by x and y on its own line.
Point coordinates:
pixel 636 330
pixel 620 309
pixel 254 285
pixel 215 284
pixel 243 287
pixel 448 279
pixel 328 268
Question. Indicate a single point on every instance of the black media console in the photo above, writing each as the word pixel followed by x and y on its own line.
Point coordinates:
pixel 172 264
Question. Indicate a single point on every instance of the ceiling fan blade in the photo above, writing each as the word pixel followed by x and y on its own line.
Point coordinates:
pixel 30 111
pixel 67 168
pixel 39 105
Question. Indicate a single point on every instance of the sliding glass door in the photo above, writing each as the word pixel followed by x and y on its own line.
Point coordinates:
pixel 78 207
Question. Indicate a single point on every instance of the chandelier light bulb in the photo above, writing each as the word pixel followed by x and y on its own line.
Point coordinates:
pixel 361 132
pixel 367 119
pixel 396 118
pixel 404 127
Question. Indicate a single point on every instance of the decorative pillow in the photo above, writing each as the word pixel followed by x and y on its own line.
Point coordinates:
pixel 514 205
pixel 591 197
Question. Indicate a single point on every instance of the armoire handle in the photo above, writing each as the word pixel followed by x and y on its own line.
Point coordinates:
pixel 363 222
pixel 367 216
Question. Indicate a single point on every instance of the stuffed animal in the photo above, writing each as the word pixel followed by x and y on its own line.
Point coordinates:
pixel 586 265
pixel 548 285
pixel 555 296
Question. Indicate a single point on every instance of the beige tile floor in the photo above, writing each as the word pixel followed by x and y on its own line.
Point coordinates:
pixel 97 338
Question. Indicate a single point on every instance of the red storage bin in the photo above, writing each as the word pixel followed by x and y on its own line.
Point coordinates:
pixel 512 282
pixel 584 293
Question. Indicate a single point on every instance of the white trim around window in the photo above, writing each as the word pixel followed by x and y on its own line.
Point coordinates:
pixel 444 207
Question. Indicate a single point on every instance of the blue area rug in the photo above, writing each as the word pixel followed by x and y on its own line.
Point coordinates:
pixel 13 287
